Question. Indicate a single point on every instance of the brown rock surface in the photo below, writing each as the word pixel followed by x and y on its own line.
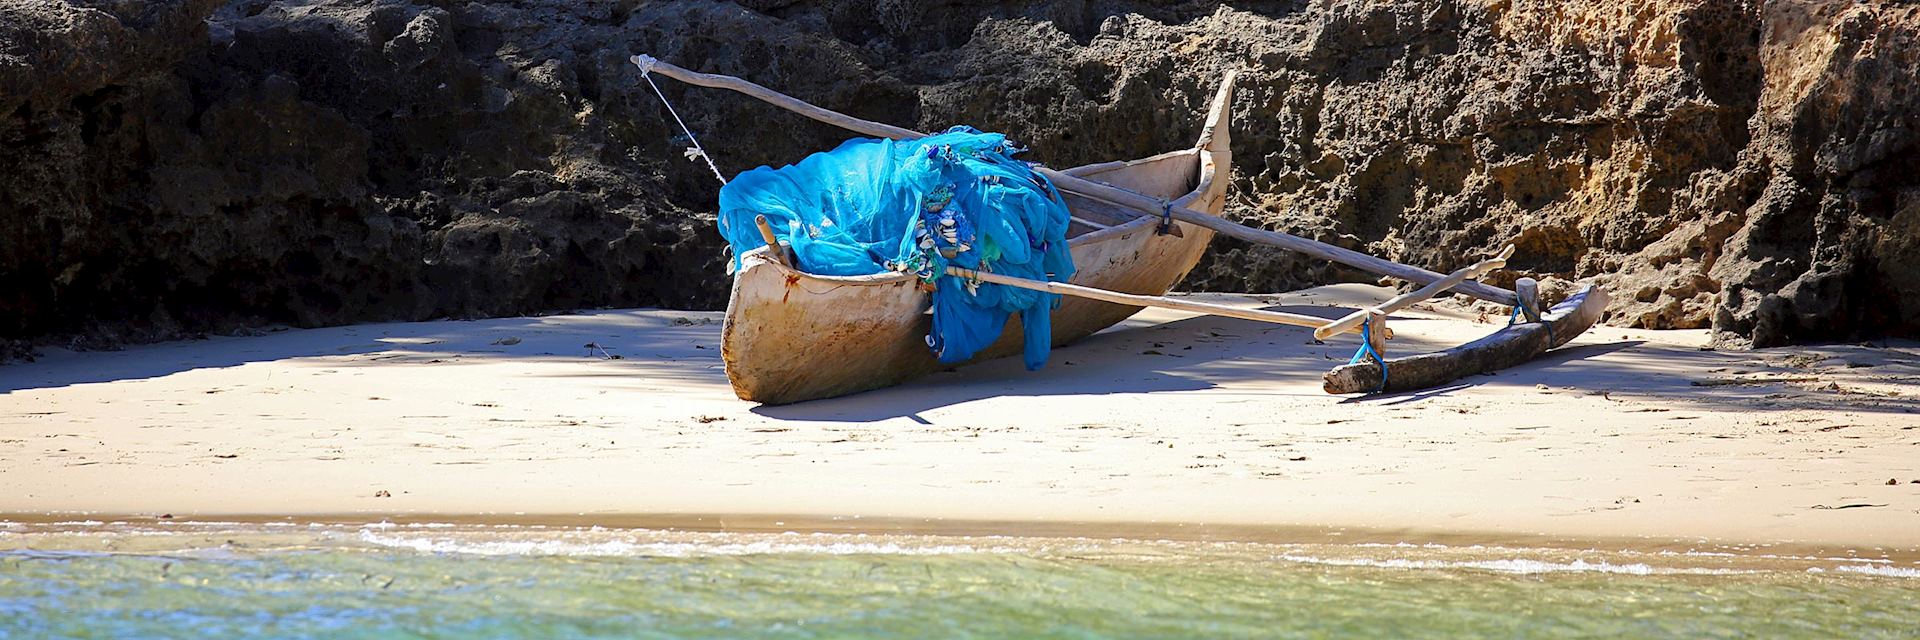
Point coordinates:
pixel 1829 189
pixel 172 167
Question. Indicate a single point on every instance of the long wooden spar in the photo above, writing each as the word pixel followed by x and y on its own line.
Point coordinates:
pixel 1137 300
pixel 1410 298
pixel 780 254
pixel 1142 205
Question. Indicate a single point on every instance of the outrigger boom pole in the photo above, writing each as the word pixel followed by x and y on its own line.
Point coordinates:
pixel 778 252
pixel 1141 204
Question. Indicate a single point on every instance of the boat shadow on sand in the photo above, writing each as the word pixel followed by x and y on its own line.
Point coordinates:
pixel 677 353
pixel 1252 360
pixel 1135 356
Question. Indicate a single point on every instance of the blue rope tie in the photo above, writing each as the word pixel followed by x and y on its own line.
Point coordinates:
pixel 1166 218
pixel 1521 305
pixel 1367 351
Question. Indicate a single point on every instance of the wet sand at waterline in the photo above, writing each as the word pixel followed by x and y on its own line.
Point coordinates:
pixel 1167 423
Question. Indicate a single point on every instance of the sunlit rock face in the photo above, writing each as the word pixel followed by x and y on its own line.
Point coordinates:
pixel 175 167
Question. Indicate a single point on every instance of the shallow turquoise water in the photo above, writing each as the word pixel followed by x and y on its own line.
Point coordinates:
pixel 385 581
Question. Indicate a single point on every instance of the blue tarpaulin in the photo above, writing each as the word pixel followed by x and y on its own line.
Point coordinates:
pixel 955 198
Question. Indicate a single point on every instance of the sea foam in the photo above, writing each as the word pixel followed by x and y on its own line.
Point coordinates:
pixel 669 548
pixel 1876 570
pixel 1521 566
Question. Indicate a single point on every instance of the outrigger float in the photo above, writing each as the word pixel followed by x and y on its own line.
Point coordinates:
pixel 1138 227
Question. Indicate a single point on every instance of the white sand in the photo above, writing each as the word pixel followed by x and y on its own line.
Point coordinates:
pixel 1607 438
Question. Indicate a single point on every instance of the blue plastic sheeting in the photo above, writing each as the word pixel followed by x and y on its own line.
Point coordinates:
pixel 956 198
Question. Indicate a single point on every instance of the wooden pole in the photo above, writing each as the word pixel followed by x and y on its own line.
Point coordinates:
pixel 1143 205
pixel 1378 333
pixel 1136 300
pixel 650 64
pixel 774 248
pixel 1412 297
pixel 1526 293
pixel 1151 206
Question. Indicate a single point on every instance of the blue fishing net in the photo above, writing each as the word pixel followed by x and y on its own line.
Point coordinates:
pixel 916 206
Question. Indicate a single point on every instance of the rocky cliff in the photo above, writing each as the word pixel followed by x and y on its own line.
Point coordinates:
pixel 170 167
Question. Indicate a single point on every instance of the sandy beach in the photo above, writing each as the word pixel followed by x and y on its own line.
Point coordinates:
pixel 1165 423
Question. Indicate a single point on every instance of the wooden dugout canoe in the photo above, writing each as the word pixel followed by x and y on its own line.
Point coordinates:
pixel 792 336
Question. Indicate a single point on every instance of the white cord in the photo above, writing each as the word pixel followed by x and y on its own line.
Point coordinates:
pixel 646 64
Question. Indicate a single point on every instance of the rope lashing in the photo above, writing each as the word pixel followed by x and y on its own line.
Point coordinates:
pixel 646 63
pixel 1367 351
pixel 1166 217
pixel 1520 306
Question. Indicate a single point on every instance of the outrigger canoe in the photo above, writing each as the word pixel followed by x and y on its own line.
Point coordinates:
pixel 792 336
pixel 1138 228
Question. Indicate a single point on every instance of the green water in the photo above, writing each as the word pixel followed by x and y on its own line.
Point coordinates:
pixel 338 581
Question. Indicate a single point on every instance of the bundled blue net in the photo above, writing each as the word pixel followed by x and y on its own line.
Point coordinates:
pixel 916 206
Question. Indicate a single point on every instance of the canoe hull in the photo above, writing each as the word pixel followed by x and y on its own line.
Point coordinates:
pixel 792 336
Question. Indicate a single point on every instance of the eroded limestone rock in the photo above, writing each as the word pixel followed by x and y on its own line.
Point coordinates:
pixel 174 167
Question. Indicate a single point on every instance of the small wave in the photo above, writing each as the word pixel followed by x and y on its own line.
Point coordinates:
pixel 665 548
pixel 41 554
pixel 1875 570
pixel 1770 556
pixel 1520 566
pixel 1401 545
pixel 409 525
